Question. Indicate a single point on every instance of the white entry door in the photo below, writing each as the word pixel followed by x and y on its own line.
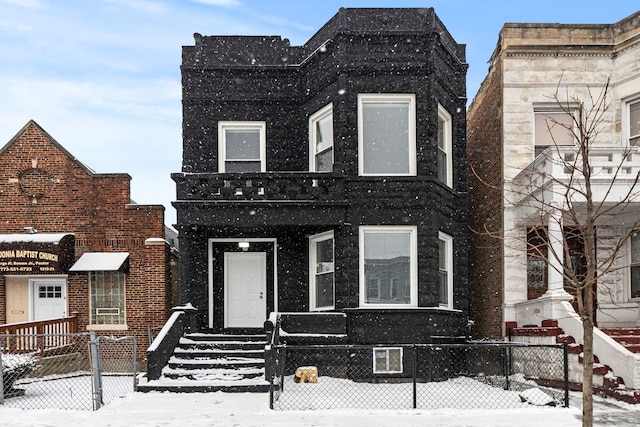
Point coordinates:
pixel 245 289
pixel 49 298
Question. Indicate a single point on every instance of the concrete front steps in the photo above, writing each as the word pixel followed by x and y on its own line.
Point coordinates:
pixel 605 381
pixel 213 362
pixel 629 338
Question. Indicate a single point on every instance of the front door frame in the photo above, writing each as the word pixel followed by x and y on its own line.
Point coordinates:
pixel 35 281
pixel 213 241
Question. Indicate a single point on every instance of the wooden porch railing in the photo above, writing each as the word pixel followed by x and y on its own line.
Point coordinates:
pixel 39 336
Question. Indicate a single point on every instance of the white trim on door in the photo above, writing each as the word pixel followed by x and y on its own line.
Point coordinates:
pixel 210 244
pixel 55 287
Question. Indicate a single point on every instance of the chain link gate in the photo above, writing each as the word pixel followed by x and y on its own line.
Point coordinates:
pixel 65 371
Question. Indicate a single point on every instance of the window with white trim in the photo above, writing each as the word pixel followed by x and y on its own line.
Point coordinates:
pixel 387 360
pixel 321 140
pixel 634 122
pixel 388 267
pixel 445 270
pixel 445 162
pixel 241 146
pixel 387 134
pixel 634 267
pixel 552 128
pixel 107 297
pixel 321 271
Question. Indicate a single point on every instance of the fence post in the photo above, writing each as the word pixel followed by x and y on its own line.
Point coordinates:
pixel 97 371
pixel 565 351
pixel 415 376
pixel 1 376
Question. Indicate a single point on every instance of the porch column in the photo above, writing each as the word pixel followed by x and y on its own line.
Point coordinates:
pixel 555 282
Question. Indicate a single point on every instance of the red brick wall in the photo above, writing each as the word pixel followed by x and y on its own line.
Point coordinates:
pixel 70 198
pixel 484 154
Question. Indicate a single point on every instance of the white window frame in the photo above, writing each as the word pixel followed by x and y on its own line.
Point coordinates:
pixel 631 264
pixel 230 125
pixel 385 351
pixel 313 241
pixel 324 112
pixel 444 115
pixel 627 136
pixel 385 98
pixel 545 109
pixel 448 243
pixel 413 263
pixel 96 310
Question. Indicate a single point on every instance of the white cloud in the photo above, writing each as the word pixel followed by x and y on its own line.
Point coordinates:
pixel 30 4
pixel 142 5
pixel 223 3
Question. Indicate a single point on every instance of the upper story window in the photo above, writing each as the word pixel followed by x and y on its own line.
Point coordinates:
pixel 321 277
pixel 386 134
pixel 634 122
pixel 445 268
pixel 321 140
pixel 388 266
pixel 241 146
pixel 552 129
pixel 445 168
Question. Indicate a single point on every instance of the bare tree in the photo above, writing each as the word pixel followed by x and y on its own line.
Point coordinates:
pixel 567 189
pixel 578 209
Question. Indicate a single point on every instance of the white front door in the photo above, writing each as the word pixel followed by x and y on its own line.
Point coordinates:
pixel 245 289
pixel 49 298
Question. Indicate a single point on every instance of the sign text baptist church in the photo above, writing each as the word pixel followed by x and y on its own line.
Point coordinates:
pixel 27 261
pixel 51 254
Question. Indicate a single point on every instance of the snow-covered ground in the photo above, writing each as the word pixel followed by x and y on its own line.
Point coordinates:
pixel 252 409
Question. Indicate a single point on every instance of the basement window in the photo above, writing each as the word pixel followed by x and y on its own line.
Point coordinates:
pixel 387 360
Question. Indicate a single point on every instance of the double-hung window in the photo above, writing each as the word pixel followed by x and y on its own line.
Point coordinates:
pixel 552 128
pixel 445 270
pixel 386 134
pixel 321 140
pixel 388 267
pixel 635 264
pixel 107 297
pixel 445 164
pixel 321 271
pixel 241 146
pixel 634 122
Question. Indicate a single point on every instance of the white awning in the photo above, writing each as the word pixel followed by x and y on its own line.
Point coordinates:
pixel 100 261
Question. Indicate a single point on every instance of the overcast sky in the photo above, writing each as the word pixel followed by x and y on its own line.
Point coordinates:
pixel 102 77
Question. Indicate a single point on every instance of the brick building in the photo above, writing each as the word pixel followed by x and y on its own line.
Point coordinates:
pixel 333 172
pixel 72 243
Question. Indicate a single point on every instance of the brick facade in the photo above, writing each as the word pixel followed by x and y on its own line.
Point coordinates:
pixel 45 187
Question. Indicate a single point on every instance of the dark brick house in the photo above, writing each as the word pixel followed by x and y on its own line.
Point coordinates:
pixel 327 178
pixel 88 250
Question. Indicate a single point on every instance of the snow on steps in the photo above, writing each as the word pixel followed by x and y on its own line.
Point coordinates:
pixel 209 362
pixel 604 379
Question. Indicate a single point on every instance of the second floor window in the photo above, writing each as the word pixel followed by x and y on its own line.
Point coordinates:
pixel 634 122
pixel 321 140
pixel 241 146
pixel 552 129
pixel 386 134
pixel 445 168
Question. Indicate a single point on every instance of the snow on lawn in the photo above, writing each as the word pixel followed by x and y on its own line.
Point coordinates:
pixel 252 410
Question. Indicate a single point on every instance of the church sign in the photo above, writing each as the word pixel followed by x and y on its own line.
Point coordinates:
pixel 36 253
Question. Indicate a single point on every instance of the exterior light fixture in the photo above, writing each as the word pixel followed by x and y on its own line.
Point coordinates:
pixel 243 245
pixel 30 230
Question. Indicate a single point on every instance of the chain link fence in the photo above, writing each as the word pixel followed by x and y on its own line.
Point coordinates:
pixel 427 376
pixel 66 371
